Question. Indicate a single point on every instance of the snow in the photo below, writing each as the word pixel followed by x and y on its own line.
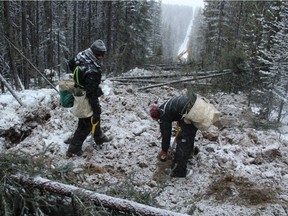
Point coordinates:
pixel 184 46
pixel 239 170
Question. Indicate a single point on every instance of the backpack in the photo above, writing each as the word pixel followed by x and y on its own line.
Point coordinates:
pixel 66 93
pixel 68 89
pixel 202 114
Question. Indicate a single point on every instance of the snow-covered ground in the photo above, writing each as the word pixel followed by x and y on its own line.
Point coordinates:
pixel 238 171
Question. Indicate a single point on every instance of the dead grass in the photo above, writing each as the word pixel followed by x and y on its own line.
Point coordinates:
pixel 240 191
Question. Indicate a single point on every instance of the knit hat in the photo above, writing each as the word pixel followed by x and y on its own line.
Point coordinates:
pixel 98 48
pixel 154 112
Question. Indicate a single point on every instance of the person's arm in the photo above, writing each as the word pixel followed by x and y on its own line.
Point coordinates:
pixel 92 82
pixel 165 128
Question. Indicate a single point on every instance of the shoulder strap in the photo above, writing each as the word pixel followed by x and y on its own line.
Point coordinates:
pixel 76 77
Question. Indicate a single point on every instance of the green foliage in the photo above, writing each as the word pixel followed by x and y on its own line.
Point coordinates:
pixel 235 60
pixel 16 199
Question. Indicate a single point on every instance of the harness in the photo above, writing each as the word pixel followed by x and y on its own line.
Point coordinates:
pixel 76 78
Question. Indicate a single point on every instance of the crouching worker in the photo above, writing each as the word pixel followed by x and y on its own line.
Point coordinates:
pixel 87 76
pixel 169 111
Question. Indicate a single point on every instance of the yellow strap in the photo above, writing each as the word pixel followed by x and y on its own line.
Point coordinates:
pixel 177 129
pixel 93 126
pixel 76 76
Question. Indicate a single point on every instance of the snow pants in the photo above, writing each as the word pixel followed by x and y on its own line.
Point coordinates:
pixel 83 130
pixel 184 148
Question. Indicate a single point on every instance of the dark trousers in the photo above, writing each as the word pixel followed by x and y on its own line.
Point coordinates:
pixel 184 148
pixel 83 130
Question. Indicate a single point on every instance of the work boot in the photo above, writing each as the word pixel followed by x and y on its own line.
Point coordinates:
pixel 178 171
pixel 163 155
pixel 70 154
pixel 182 175
pixel 102 139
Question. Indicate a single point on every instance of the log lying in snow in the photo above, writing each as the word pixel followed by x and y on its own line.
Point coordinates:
pixel 200 73
pixel 136 81
pixel 184 80
pixel 98 199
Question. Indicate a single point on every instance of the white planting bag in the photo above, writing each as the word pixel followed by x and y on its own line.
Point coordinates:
pixel 202 114
pixel 81 107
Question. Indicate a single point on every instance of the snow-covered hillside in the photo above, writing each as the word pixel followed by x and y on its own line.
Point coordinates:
pixel 238 171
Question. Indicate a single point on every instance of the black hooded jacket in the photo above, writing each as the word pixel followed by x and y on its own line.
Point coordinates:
pixel 172 110
pixel 89 76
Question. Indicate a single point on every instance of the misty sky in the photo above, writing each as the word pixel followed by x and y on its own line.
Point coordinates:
pixel 193 3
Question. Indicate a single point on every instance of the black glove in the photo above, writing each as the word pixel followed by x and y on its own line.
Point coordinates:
pixel 72 65
pixel 95 118
pixel 99 92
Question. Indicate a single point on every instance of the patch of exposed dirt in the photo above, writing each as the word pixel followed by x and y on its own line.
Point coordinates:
pixel 160 174
pixel 240 191
pixel 39 116
pixel 16 134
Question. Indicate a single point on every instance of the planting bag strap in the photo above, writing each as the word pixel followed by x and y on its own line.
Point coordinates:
pixel 76 77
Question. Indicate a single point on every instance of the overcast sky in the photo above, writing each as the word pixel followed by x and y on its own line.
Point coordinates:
pixel 193 3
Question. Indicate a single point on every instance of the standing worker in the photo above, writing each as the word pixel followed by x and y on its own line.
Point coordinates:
pixel 169 111
pixel 88 66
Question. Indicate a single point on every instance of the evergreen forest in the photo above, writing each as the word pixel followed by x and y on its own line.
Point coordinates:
pixel 247 37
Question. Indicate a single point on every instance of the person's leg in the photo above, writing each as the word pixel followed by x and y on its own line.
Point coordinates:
pixel 99 136
pixel 81 133
pixel 184 148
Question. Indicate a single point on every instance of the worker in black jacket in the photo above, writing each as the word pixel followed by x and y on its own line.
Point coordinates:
pixel 169 111
pixel 89 64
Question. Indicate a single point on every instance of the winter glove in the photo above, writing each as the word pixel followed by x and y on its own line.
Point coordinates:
pixel 72 64
pixel 99 92
pixel 95 118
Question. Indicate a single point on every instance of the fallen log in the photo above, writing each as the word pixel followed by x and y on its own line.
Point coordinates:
pixel 41 74
pixel 163 67
pixel 2 79
pixel 184 80
pixel 99 199
pixel 166 75
pixel 145 77
pixel 137 81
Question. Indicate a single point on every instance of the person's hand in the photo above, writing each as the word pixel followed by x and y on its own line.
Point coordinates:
pixel 95 118
pixel 99 92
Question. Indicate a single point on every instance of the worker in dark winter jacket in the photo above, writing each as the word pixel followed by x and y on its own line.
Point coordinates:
pixel 89 64
pixel 169 111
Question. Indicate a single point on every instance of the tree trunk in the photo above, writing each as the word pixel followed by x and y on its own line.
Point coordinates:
pixel 10 89
pixel 98 199
pixel 75 25
pixel 282 104
pixel 44 77
pixel 9 34
pixel 49 35
pixel 109 25
pixel 26 77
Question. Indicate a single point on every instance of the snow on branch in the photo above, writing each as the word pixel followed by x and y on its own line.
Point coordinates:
pixel 99 199
pixel 278 94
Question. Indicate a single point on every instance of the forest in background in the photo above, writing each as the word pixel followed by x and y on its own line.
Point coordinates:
pixel 247 37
